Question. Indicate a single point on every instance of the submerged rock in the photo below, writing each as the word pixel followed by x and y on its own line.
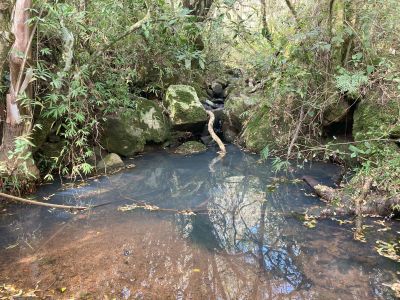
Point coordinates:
pixel 184 107
pixel 111 161
pixel 126 131
pixel 190 147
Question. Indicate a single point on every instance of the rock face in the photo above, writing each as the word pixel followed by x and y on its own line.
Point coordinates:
pixel 190 147
pixel 184 107
pixel 234 114
pixel 50 150
pixel 126 131
pixel 374 120
pixel 110 162
pixel 218 89
pixel 39 135
pixel 258 131
pixel 335 112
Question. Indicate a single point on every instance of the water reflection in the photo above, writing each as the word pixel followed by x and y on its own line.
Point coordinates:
pixel 243 242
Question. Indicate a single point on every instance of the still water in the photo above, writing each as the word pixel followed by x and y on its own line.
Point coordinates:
pixel 211 230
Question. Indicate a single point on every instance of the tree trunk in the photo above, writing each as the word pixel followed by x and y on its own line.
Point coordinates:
pixel 265 29
pixel 18 119
pixel 199 8
pixel 5 44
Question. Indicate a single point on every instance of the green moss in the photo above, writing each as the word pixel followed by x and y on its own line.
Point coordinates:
pixel 258 130
pixel 39 135
pixel 155 125
pixel 190 147
pixel 335 112
pixel 236 107
pixel 184 106
pixel 127 131
pixel 121 135
pixel 375 120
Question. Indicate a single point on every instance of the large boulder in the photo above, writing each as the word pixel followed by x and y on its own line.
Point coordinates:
pixel 373 119
pixel 127 130
pixel 184 107
pixel 40 133
pixel 236 107
pixel 257 133
pixel 109 163
pixel 236 110
pixel 335 112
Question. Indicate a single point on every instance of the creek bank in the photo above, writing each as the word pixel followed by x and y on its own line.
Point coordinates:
pixel 244 114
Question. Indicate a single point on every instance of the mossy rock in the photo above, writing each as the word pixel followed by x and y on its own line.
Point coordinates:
pixel 110 162
pixel 156 126
pixel 258 132
pixel 126 131
pixel 236 107
pixel 50 150
pixel 190 147
pixel 335 112
pixel 373 119
pixel 39 135
pixel 184 107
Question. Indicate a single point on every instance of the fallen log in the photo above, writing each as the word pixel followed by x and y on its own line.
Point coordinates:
pixel 340 203
pixel 33 202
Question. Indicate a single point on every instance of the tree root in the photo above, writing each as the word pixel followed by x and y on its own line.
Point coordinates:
pixel 33 202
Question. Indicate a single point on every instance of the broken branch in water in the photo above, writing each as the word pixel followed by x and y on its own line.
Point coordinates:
pixel 33 202
pixel 341 203
pixel 214 135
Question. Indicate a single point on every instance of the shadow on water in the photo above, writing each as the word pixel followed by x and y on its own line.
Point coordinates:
pixel 244 241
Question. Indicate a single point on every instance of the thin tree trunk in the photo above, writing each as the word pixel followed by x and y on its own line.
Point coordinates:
pixel 265 29
pixel 292 10
pixel 5 45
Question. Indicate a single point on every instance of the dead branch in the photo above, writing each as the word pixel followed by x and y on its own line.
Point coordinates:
pixel 213 134
pixel 296 132
pixel 341 203
pixel 33 202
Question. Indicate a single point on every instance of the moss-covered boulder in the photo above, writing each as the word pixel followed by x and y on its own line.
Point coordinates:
pixel 126 131
pixel 258 132
pixel 41 132
pixel 236 107
pixel 190 147
pixel 374 119
pixel 184 107
pixel 155 125
pixel 335 112
pixel 51 150
pixel 110 162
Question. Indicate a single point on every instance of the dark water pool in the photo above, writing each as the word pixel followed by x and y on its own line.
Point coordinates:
pixel 224 230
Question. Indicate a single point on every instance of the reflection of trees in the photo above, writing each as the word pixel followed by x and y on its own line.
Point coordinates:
pixel 246 222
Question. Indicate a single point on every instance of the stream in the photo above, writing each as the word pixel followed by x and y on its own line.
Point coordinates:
pixel 203 230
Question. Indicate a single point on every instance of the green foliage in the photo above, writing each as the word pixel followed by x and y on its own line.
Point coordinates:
pixel 350 83
pixel 78 82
